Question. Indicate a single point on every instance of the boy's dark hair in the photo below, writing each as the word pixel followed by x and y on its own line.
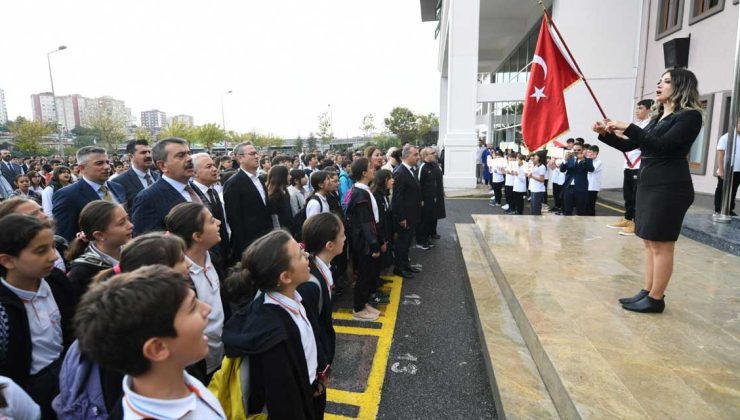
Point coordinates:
pixel 345 163
pixel 359 166
pixel 318 230
pixel 117 164
pixel 571 140
pixel 594 148
pixel 295 175
pixel 184 220
pixel 647 103
pixel 114 319
pixel 131 145
pixel 16 232
pixel 148 249
pixel 580 140
pixel 318 178
pixel 326 164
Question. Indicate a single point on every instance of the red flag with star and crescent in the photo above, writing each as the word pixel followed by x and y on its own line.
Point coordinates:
pixel 544 116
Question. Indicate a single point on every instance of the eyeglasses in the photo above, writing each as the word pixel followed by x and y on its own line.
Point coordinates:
pixel 250 154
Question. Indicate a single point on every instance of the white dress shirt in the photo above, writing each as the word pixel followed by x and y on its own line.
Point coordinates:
pixel 142 176
pixel 208 289
pixel 257 184
pixel 179 187
pixel 594 178
pixel 297 312
pixel 200 404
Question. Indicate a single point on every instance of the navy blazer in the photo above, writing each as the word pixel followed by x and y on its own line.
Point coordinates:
pixel 131 183
pixel 151 206
pixel 247 214
pixel 578 171
pixel 8 173
pixel 69 201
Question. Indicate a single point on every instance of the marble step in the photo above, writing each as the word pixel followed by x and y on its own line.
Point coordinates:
pixel 561 277
pixel 521 392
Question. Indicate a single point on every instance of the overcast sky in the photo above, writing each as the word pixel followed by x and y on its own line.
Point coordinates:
pixel 285 60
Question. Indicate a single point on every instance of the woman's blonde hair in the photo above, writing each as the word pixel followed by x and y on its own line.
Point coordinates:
pixel 685 93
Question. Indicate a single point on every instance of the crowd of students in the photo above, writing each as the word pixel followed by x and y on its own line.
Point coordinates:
pixel 198 286
pixel 576 179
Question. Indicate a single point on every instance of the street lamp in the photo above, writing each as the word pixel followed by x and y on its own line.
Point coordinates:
pixel 54 96
pixel 223 118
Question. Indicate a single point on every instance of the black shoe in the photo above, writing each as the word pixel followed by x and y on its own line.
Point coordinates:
pixel 413 269
pixel 732 213
pixel 435 236
pixel 641 294
pixel 376 299
pixel 403 273
pixel 425 247
pixel 646 305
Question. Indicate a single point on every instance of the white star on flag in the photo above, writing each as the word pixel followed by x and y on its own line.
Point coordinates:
pixel 538 93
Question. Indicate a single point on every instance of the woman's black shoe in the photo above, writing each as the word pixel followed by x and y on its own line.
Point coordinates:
pixel 646 305
pixel 641 294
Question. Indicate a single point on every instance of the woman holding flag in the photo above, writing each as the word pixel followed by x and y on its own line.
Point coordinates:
pixel 665 189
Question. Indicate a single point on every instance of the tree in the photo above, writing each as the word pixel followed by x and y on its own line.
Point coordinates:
pixel 28 135
pixel 178 129
pixel 325 132
pixel 235 138
pixel 209 134
pixel 368 126
pixel 402 122
pixel 311 142
pixel 298 145
pixel 110 126
pixel 426 124
pixel 384 141
pixel 142 133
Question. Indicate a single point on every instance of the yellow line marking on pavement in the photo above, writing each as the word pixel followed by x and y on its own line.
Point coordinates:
pixel 610 207
pixel 335 417
pixel 369 400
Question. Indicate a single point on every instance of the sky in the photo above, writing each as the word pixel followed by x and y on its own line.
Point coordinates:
pixel 286 61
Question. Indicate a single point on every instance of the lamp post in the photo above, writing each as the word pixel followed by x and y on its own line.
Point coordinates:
pixel 54 97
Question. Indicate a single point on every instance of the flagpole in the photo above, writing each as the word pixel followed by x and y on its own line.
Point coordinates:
pixel 572 59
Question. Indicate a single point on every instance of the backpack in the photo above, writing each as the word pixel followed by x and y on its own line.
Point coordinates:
pixel 315 281
pixel 230 386
pixel 300 218
pixel 347 197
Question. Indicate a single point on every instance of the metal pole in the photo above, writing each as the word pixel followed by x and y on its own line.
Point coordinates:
pixel 724 215
pixel 223 116
pixel 54 99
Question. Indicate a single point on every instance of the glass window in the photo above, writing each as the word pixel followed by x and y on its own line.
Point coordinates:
pixel 670 17
pixel 698 152
pixel 701 9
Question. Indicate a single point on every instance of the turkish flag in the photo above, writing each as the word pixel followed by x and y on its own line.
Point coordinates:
pixel 544 116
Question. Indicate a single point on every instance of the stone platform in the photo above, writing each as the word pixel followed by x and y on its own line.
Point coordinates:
pixel 546 292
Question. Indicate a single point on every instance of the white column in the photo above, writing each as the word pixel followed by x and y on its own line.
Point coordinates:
pixel 442 111
pixel 462 84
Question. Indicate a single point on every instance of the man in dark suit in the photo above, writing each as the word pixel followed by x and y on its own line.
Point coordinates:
pixel 205 178
pixel 245 198
pixel 138 176
pixel 93 185
pixel 428 186
pixel 7 168
pixel 151 205
pixel 575 187
pixel 406 206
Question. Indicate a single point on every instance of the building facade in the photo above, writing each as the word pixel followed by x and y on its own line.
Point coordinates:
pixel 182 119
pixel 43 106
pixel 3 108
pixel 484 67
pixel 153 119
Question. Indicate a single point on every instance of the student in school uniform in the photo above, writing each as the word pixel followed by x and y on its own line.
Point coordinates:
pixel 509 183
pixel 558 178
pixel 520 185
pixel 497 167
pixel 323 238
pixel 321 187
pixel 37 307
pixel 594 178
pixel 537 184
pixel 149 325
pixel 274 332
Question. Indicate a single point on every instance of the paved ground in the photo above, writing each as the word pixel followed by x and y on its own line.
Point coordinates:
pixel 425 354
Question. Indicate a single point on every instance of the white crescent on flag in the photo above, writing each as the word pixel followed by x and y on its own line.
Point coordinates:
pixel 538 60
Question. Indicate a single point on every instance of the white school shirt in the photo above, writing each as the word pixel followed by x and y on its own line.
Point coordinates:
pixel 535 185
pixel 208 289
pixel 520 180
pixel 20 405
pixel 200 404
pixel 44 323
pixel 297 312
pixel 313 207
pixel 498 174
pixel 557 176
pixel 326 271
pixel 46 201
pixel 594 178
pixel 722 145
pixel 509 179
pixel 374 204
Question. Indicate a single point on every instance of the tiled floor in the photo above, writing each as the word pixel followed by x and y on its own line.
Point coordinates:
pixel 566 274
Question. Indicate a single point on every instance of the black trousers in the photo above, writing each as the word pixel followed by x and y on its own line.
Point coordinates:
pixel 577 201
pixel 368 272
pixel 497 191
pixel 508 189
pixel 544 199
pixel 718 192
pixel 428 214
pixel 557 195
pixel 517 205
pixel 402 245
pixel 592 195
pixel 629 192
pixel 433 225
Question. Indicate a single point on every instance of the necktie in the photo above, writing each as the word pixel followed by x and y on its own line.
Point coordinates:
pixel 148 179
pixel 106 193
pixel 194 198
pixel 215 204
